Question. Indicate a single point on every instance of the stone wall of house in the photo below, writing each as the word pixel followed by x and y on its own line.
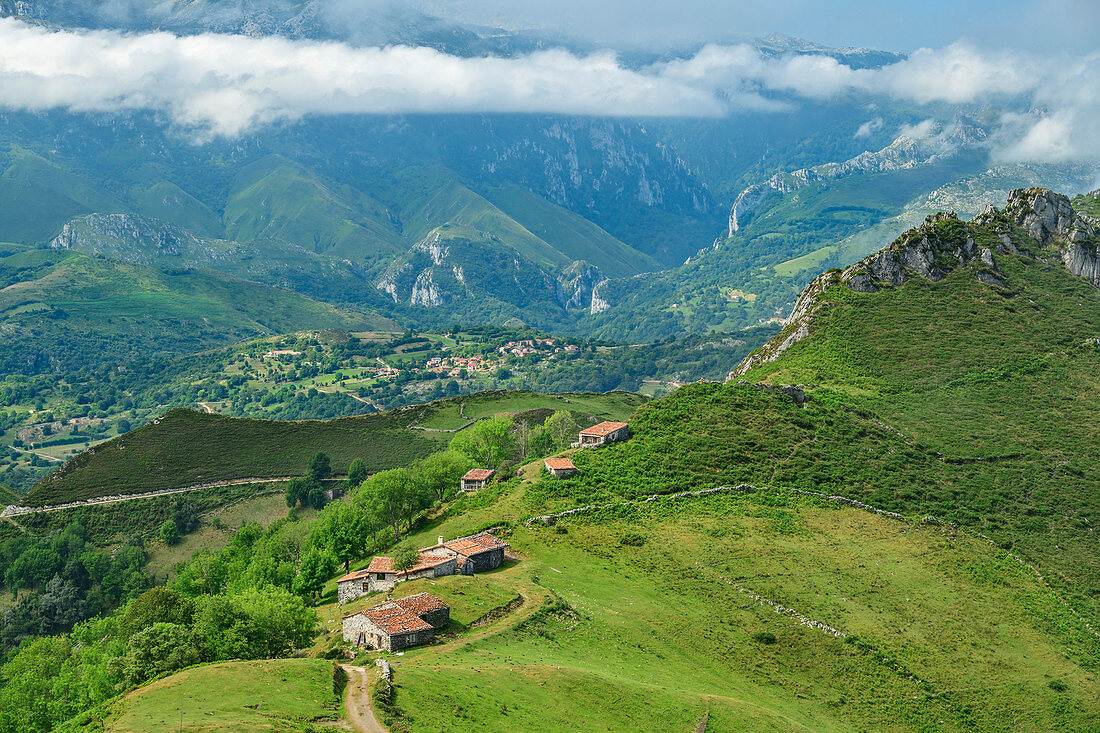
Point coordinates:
pixel 349 590
pixel 404 641
pixel 355 625
pixel 438 619
pixel 486 560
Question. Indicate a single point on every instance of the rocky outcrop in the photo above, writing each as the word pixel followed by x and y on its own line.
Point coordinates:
pixel 133 238
pixel 454 265
pixel 1049 219
pixel 1035 223
pixel 578 284
pixel 906 151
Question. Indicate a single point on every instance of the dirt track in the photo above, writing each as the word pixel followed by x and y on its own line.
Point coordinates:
pixel 357 700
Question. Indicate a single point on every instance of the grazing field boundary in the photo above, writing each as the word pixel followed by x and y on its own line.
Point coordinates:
pixel 550 519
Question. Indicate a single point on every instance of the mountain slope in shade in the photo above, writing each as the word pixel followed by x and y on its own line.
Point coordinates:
pixel 60 309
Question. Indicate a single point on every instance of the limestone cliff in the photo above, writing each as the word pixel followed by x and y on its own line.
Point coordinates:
pixel 1035 223
pixel 908 150
pixel 453 265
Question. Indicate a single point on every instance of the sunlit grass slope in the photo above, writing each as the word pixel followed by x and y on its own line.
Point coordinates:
pixel 648 616
pixel 266 695
pixel 998 386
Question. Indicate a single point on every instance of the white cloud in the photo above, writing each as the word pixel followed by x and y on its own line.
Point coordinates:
pixel 869 127
pixel 919 131
pixel 223 85
pixel 226 84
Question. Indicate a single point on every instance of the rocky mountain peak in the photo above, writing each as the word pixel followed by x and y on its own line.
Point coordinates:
pixel 1035 222
pixel 1043 214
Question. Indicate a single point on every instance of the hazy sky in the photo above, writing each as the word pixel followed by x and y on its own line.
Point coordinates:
pixel 1034 25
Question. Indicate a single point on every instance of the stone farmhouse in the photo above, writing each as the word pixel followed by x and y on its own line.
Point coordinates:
pixel 601 433
pixel 560 467
pixel 476 478
pixel 466 555
pixel 397 624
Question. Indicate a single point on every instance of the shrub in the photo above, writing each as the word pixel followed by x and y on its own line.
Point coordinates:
pixel 169 532
pixel 632 539
pixel 764 637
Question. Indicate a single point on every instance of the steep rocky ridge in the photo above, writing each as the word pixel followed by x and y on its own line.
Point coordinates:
pixel 908 150
pixel 143 240
pixel 455 266
pixel 1035 223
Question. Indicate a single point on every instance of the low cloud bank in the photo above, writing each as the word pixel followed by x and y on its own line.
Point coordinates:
pixel 224 85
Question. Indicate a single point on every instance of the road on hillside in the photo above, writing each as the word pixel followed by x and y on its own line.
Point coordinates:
pixel 357 700
pixel 14 511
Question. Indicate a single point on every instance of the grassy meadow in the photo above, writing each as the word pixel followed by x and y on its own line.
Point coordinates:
pixel 244 697
pixel 641 617
pixel 994 391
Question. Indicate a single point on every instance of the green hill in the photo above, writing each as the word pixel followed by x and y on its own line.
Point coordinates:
pixel 989 371
pixel 37 197
pixel 185 447
pixel 659 616
pixel 573 236
pixel 277 199
pixel 168 202
pixel 9 495
pixel 273 694
pixel 66 310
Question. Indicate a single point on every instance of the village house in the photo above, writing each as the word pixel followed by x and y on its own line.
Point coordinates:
pixel 381 575
pixel 397 624
pixel 474 554
pixel 560 467
pixel 476 479
pixel 466 555
pixel 605 432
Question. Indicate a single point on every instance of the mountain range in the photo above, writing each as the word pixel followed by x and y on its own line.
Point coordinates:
pixel 628 229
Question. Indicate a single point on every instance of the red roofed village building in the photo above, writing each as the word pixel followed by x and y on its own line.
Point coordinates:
pixel 605 432
pixel 466 555
pixel 475 479
pixel 474 554
pixel 397 624
pixel 560 467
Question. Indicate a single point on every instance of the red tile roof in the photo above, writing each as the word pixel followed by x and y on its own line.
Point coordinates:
pixel 560 464
pixel 424 561
pixel 355 575
pixel 475 544
pixel 421 603
pixel 393 619
pixel 478 474
pixel 403 614
pixel 604 428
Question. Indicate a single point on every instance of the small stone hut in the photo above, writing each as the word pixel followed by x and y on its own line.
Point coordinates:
pixel 602 433
pixel 381 575
pixel 473 554
pixel 476 478
pixel 397 624
pixel 466 555
pixel 560 467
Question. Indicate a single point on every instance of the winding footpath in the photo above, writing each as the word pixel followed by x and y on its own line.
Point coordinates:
pixel 357 700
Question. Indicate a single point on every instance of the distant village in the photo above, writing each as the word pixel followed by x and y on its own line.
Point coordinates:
pixel 437 367
pixel 400 623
